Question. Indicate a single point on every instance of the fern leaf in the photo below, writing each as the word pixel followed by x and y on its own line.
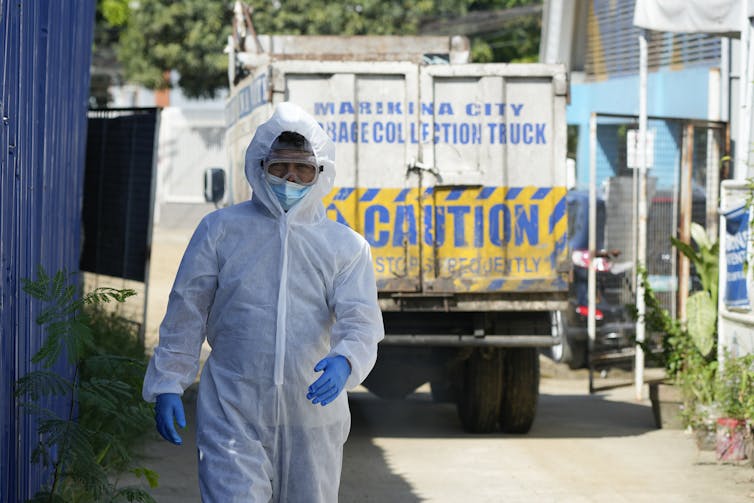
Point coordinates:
pixel 58 284
pixel 79 340
pixel 59 327
pixel 132 494
pixel 151 476
pixel 114 452
pixel 38 288
pixel 34 289
pixel 69 436
pixel 42 274
pixel 92 476
pixel 42 383
pixel 122 295
pixel 68 294
pixel 105 395
pixel 47 315
pixel 97 361
pixel 118 452
pixel 99 404
pixel 41 454
pixel 106 294
pixel 50 350
pixel 46 497
pixel 37 410
pixel 109 387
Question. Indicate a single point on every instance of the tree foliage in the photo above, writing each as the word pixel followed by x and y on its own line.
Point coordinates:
pixel 189 36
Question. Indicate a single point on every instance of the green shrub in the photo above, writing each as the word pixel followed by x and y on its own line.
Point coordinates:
pixel 689 350
pixel 734 391
pixel 92 443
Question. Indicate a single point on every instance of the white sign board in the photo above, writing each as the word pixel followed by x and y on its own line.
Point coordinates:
pixel 633 153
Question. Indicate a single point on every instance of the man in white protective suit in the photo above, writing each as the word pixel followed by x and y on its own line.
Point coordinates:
pixel 287 300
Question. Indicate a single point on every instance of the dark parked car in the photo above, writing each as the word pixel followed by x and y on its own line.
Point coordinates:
pixel 614 326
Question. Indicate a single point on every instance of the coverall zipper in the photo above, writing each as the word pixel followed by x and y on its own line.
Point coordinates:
pixel 282 310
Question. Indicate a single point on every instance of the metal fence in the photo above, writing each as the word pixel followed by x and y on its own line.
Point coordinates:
pixel 686 164
pixel 118 203
pixel 46 53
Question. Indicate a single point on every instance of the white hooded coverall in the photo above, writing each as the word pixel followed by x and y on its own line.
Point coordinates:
pixel 273 293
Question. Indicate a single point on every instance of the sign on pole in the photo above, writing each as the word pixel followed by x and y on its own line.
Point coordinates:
pixel 633 151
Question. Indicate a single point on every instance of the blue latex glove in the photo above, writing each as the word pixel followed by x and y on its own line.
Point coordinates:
pixel 168 408
pixel 329 385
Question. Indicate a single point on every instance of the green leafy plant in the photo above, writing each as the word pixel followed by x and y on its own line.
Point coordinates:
pixel 701 306
pixel 689 350
pixel 734 391
pixel 91 444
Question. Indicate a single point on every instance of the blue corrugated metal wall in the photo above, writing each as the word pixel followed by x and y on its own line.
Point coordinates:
pixel 46 53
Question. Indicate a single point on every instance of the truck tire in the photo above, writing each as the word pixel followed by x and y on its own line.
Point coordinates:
pixel 481 390
pixel 520 390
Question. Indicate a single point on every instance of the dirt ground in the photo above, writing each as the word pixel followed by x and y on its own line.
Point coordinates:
pixel 600 447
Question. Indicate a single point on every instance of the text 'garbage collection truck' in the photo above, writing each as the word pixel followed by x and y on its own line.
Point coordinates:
pixel 455 175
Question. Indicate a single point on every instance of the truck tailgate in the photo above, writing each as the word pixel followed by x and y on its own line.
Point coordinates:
pixel 455 174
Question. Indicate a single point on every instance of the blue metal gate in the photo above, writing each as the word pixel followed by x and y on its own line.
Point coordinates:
pixel 46 53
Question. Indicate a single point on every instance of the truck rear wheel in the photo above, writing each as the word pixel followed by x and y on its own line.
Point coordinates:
pixel 520 390
pixel 481 390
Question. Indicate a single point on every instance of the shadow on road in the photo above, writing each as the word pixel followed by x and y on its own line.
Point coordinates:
pixel 589 416
pixel 558 416
pixel 367 475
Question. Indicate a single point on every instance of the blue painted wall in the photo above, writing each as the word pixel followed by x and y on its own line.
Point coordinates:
pixel 681 93
pixel 46 52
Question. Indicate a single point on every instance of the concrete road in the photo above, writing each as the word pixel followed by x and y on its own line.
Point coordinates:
pixel 582 448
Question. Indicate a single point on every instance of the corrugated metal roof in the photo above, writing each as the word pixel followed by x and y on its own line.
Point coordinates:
pixel 46 48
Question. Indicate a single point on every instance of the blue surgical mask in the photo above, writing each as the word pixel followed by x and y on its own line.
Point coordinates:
pixel 289 193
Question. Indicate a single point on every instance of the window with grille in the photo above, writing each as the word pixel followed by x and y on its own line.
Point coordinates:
pixel 613 44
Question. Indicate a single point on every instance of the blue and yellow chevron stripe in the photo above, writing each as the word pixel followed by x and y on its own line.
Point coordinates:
pixel 460 239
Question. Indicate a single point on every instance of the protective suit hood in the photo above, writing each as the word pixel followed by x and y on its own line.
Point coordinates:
pixel 290 117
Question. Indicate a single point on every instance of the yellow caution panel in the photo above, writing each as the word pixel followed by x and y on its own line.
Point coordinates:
pixel 459 239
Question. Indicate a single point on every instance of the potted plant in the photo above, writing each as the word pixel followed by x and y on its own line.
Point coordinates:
pixel 688 350
pixel 734 393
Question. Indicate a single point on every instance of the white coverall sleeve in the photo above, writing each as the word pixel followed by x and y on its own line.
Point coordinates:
pixel 175 362
pixel 358 320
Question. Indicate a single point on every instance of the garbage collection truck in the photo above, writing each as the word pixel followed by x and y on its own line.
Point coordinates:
pixel 455 175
